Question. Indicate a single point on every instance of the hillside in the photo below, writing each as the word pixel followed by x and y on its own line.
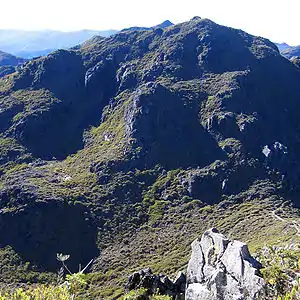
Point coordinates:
pixel 128 147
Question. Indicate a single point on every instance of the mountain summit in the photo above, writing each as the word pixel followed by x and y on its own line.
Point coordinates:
pixel 164 24
pixel 130 145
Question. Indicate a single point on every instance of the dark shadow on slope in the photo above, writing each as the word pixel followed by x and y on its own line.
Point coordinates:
pixel 58 130
pixel 42 230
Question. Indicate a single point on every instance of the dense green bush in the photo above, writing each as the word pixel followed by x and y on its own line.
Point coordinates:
pixel 281 269
pixel 142 294
pixel 41 292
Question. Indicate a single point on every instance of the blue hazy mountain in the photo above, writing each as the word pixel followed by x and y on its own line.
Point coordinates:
pixel 282 46
pixel 28 44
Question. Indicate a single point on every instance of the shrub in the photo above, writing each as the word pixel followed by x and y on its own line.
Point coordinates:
pixel 139 294
pixel 41 292
pixel 281 268
pixel 156 210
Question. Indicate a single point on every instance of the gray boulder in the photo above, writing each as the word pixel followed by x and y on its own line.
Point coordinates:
pixel 220 269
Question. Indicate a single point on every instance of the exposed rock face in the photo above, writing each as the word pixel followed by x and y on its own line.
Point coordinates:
pixel 152 120
pixel 220 269
pixel 146 279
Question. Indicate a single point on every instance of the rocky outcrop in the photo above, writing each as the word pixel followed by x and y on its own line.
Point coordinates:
pixel 220 269
pixel 152 121
pixel 153 283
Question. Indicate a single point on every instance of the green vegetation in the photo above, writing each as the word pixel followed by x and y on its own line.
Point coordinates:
pixel 281 268
pixel 38 293
pixel 156 210
pixel 143 294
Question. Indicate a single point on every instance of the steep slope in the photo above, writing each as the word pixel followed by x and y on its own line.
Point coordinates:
pixel 132 145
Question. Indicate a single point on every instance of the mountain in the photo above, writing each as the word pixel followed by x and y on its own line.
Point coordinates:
pixel 282 46
pixel 29 44
pixel 10 60
pixel 8 63
pixel 126 148
pixel 288 51
pixel 164 24
pixel 291 52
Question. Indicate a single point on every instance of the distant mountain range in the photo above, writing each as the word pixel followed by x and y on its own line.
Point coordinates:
pixel 291 52
pixel 7 59
pixel 288 51
pixel 282 46
pixel 29 44
pixel 8 63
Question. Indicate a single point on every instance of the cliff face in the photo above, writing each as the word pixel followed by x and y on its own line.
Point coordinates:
pixel 128 130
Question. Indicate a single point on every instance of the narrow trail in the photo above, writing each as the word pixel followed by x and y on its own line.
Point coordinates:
pixel 290 223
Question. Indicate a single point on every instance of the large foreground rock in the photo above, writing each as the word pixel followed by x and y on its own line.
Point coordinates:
pixel 220 269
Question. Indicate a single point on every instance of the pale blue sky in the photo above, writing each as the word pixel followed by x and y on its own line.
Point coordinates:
pixel 275 19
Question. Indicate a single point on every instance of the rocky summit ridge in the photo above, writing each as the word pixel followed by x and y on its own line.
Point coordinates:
pixel 115 147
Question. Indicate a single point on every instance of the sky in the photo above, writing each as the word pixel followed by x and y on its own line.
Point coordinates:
pixel 275 20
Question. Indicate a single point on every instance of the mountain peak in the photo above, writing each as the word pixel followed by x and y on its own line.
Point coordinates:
pixel 164 24
pixel 282 46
